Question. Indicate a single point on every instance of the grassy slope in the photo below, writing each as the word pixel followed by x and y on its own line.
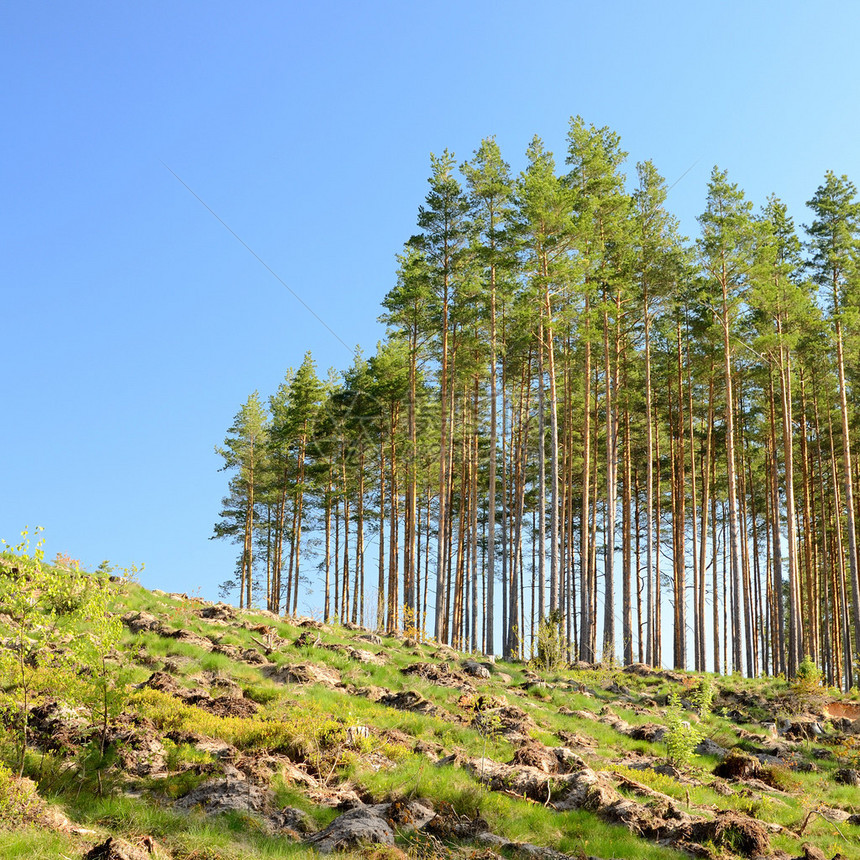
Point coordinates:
pixel 298 720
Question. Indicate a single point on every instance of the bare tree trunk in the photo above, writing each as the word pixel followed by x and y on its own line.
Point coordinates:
pixel 731 477
pixel 611 490
pixel 585 650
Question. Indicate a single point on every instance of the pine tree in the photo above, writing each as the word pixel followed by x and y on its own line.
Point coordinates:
pixel 834 246
pixel 490 191
pixel 243 452
pixel 443 241
pixel 725 250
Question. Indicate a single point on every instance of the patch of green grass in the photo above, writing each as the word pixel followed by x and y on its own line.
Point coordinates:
pixel 32 843
pixel 224 837
pixel 514 819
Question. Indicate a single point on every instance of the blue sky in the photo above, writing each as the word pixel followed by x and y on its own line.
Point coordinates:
pixel 134 325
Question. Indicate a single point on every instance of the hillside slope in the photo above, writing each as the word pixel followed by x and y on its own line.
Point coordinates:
pixel 236 734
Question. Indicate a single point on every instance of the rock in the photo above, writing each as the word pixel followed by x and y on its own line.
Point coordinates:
pixel 294 820
pixel 116 849
pixel 618 690
pixel 476 670
pixel 144 622
pixel 307 673
pixel 641 669
pixel 252 656
pixel 189 637
pixel 367 657
pixel 709 747
pixel 441 674
pixel 766 759
pixel 445 652
pixel 847 776
pixel 409 700
pixel 810 852
pixel 227 795
pixel 447 824
pixel 648 732
pixel 218 612
pixel 369 825
pixel 582 788
pixel 800 729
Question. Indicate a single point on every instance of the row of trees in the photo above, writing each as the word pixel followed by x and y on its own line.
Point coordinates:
pixel 574 400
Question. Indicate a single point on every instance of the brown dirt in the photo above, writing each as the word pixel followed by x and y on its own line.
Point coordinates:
pixel 535 754
pixel 116 849
pixel 738 765
pixel 448 824
pixel 732 832
pixel 842 710
pixel 443 675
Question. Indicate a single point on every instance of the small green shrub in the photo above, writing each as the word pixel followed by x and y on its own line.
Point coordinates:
pixel 550 643
pixel 808 677
pixel 703 697
pixel 682 737
pixel 19 802
pixel 779 777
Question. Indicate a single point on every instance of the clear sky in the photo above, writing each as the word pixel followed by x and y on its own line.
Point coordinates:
pixel 134 325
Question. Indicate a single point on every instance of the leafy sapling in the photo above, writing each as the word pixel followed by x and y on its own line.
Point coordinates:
pixel 27 598
pixel 682 737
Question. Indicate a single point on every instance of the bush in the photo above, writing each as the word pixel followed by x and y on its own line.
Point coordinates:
pixel 682 737
pixel 703 697
pixel 19 802
pixel 808 678
pixel 550 643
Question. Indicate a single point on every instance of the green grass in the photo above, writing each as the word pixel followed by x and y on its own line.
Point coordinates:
pixel 308 723
pixel 33 843
pixel 226 837
pixel 514 819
